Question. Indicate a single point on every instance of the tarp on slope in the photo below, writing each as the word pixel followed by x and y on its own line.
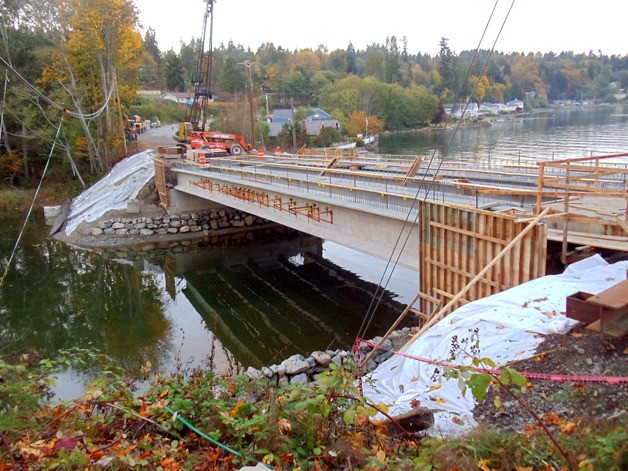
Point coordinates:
pixel 123 183
pixel 511 325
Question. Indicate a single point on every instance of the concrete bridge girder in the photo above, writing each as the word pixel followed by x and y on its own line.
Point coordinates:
pixel 385 235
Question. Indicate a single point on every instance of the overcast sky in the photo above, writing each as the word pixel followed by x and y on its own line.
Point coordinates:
pixel 532 26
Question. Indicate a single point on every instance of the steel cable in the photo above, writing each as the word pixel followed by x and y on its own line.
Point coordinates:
pixel 381 287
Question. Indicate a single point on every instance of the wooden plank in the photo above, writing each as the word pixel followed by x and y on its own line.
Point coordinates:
pixel 331 163
pixel 469 233
pixel 412 172
pixel 622 223
pixel 479 276
pixel 448 295
pixel 419 314
pixel 465 274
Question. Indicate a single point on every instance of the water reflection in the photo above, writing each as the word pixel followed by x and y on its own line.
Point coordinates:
pixel 249 300
pixel 269 301
pixel 54 298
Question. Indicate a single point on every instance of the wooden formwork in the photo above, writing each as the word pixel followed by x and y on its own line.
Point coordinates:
pixel 160 182
pixel 457 242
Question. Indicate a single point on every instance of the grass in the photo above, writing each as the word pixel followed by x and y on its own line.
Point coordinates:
pixel 20 198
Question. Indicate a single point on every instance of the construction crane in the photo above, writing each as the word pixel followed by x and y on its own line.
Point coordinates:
pixel 195 130
pixel 197 113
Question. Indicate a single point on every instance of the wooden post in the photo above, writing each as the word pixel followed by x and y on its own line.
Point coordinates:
pixel 477 277
pixel 539 188
pixel 392 328
pixel 563 255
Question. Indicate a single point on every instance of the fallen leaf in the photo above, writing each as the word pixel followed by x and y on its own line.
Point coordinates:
pixel 230 385
pixel 529 431
pixel 568 428
pixel 414 379
pixel 284 426
pixel 66 443
pixel 553 419
pixel 576 335
pixel 434 387
pixel 520 352
pixel 440 400
pixel 237 408
pixel 457 420
pixel 550 314
pixel 483 465
pixel 500 327
pixel 523 468
pixel 415 403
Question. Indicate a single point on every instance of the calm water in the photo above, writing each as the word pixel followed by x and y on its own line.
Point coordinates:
pixel 558 134
pixel 254 300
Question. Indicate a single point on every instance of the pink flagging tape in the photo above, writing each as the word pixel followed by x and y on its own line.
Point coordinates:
pixel 560 378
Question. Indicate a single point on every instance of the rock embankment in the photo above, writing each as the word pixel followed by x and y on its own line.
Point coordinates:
pixel 299 369
pixel 189 223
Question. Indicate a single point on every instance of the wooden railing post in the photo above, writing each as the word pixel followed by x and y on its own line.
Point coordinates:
pixel 539 189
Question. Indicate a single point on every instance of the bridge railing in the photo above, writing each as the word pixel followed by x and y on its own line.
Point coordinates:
pixel 361 183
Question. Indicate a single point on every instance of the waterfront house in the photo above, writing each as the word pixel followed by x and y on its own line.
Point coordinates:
pixel 468 110
pixel 514 105
pixel 313 124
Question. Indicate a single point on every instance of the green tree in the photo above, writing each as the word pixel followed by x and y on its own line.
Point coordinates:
pixel 232 78
pixel 173 73
pixel 447 67
pixel 374 64
pixel 392 68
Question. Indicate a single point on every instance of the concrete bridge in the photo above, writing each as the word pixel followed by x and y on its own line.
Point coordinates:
pixel 445 219
pixel 347 207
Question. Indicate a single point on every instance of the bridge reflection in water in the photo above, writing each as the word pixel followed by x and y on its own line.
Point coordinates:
pixel 266 302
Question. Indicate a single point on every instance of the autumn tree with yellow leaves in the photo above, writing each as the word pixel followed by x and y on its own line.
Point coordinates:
pixel 94 70
pixel 360 123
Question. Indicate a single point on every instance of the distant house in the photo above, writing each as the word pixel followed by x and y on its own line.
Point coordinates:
pixel 313 124
pixel 490 108
pixel 318 120
pixel 514 105
pixel 468 110
pixel 179 97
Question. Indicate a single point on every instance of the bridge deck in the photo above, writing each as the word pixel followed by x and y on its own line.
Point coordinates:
pixel 591 192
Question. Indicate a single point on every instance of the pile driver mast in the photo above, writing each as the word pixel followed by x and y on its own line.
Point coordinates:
pixel 197 113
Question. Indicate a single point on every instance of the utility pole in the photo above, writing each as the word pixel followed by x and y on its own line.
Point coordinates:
pixel 248 65
pixel 294 129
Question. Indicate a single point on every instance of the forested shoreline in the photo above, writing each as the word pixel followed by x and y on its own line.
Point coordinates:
pixel 73 72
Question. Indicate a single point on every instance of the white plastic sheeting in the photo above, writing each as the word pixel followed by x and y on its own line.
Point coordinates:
pixel 511 325
pixel 113 192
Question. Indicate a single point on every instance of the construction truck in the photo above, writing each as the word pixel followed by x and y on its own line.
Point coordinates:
pixel 234 144
pixel 136 124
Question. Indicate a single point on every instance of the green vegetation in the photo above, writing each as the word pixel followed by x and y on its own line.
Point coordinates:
pixel 203 421
pixel 89 57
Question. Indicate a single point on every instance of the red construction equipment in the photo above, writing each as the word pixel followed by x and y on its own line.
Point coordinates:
pixel 234 144
pixel 195 130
